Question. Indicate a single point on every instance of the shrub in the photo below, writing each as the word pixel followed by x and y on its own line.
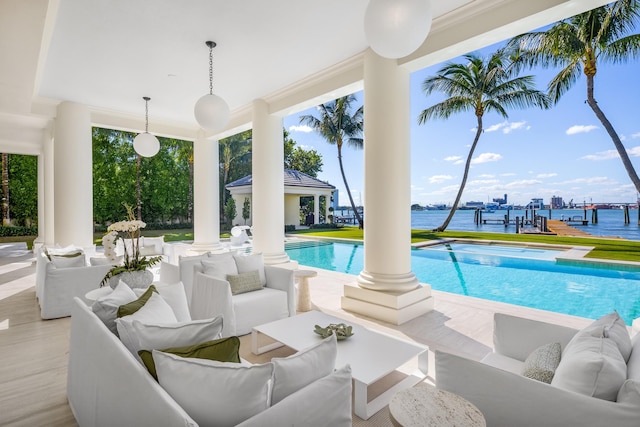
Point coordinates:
pixel 325 226
pixel 289 228
pixel 18 231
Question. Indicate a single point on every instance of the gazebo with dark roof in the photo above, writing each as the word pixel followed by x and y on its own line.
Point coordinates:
pixel 296 184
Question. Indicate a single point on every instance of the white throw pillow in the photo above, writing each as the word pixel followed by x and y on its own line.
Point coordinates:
pixel 295 372
pixel 106 307
pixel 155 311
pixel 633 364
pixel 608 326
pixel 220 268
pixel 214 393
pixel 591 366
pixel 176 297
pixel 162 336
pixel 247 263
pixel 186 264
pixel 630 393
pixel 69 261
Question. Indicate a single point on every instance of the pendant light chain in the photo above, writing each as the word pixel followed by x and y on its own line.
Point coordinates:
pixel 210 70
pixel 146 114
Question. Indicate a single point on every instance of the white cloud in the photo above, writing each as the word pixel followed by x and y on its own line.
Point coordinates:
pixel 635 135
pixel 486 157
pixel 456 160
pixel 580 129
pixel 634 152
pixel 591 180
pixel 486 176
pixel 302 128
pixel 508 174
pixel 546 175
pixel 508 127
pixel 523 183
pixel 483 181
pixel 611 154
pixel 439 179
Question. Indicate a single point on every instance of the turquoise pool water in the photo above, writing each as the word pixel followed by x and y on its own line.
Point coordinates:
pixel 522 276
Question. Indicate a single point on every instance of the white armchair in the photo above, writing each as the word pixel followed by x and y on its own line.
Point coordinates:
pixel 212 296
pixel 507 398
pixel 60 285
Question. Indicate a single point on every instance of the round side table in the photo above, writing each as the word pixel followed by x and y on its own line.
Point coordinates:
pixel 304 296
pixel 425 405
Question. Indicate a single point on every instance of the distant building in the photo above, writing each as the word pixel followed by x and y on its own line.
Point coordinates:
pixel 535 204
pixel 557 202
pixel 474 205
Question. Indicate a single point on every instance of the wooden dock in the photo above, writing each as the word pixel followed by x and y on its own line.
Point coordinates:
pixel 561 228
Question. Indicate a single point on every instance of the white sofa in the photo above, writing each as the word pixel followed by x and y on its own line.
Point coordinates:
pixel 107 386
pixel 507 398
pixel 209 296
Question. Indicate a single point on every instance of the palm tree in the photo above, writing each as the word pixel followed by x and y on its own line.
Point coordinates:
pixel 480 85
pixel 578 44
pixel 338 125
pixel 5 189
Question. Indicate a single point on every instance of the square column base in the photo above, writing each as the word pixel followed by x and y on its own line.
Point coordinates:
pixel 391 307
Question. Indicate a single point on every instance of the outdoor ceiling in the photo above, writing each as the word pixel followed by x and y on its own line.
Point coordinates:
pixel 109 54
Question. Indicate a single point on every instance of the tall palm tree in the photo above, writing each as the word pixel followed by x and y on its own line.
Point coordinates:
pixel 338 125
pixel 480 85
pixel 231 149
pixel 579 43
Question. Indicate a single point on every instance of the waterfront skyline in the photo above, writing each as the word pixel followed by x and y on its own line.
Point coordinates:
pixel 563 151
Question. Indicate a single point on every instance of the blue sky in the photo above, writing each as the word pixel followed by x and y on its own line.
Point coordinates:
pixel 563 151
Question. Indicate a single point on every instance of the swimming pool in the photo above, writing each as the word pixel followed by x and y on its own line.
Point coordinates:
pixel 520 276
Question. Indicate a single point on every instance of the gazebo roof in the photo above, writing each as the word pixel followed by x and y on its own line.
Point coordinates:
pixel 292 178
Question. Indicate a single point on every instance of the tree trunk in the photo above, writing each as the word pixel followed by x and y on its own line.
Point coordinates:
pixel 344 179
pixel 613 134
pixel 138 201
pixel 190 205
pixel 467 166
pixel 6 220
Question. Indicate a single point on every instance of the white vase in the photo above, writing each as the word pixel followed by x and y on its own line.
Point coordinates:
pixel 135 279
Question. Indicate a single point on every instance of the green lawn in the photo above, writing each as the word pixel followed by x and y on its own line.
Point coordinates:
pixel 614 249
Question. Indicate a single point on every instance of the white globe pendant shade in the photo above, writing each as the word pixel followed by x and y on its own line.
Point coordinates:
pixel 396 28
pixel 212 113
pixel 146 144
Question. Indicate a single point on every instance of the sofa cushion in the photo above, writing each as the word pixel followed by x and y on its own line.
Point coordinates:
pixel 176 297
pixel 609 326
pixel 633 365
pixel 629 393
pixel 221 349
pixel 214 393
pixel 247 263
pixel 219 268
pixel 591 366
pixel 292 373
pixel 155 311
pixel 257 308
pixel 106 307
pixel 133 306
pixel 541 364
pixel 244 282
pixel 149 336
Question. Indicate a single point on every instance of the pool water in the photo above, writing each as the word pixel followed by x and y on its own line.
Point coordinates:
pixel 522 276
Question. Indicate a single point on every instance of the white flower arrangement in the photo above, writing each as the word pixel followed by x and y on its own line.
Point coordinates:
pixel 129 229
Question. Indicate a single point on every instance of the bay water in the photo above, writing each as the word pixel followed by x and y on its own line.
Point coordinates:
pixel 610 221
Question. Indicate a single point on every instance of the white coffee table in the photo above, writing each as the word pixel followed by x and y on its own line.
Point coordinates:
pixel 371 354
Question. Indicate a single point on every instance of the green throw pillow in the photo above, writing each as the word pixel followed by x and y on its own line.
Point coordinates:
pixel 222 350
pixel 133 306
pixel 244 282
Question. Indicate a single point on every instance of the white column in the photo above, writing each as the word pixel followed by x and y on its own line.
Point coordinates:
pixel 206 196
pixel 45 217
pixel 73 176
pixel 387 288
pixel 268 184
pixel 316 209
pixel 48 192
pixel 327 205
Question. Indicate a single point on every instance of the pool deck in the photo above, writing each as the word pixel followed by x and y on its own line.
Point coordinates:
pixel 34 352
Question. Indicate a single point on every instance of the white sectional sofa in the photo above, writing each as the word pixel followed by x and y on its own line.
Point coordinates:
pixel 600 363
pixel 107 386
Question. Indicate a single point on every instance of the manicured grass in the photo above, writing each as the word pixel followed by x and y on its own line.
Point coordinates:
pixel 614 249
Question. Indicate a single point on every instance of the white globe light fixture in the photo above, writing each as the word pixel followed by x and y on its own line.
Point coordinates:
pixel 144 143
pixel 212 112
pixel 396 28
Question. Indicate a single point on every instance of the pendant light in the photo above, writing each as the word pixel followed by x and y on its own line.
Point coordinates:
pixel 212 112
pixel 144 143
pixel 397 28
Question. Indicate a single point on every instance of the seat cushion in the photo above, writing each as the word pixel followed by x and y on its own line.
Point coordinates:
pixel 256 308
